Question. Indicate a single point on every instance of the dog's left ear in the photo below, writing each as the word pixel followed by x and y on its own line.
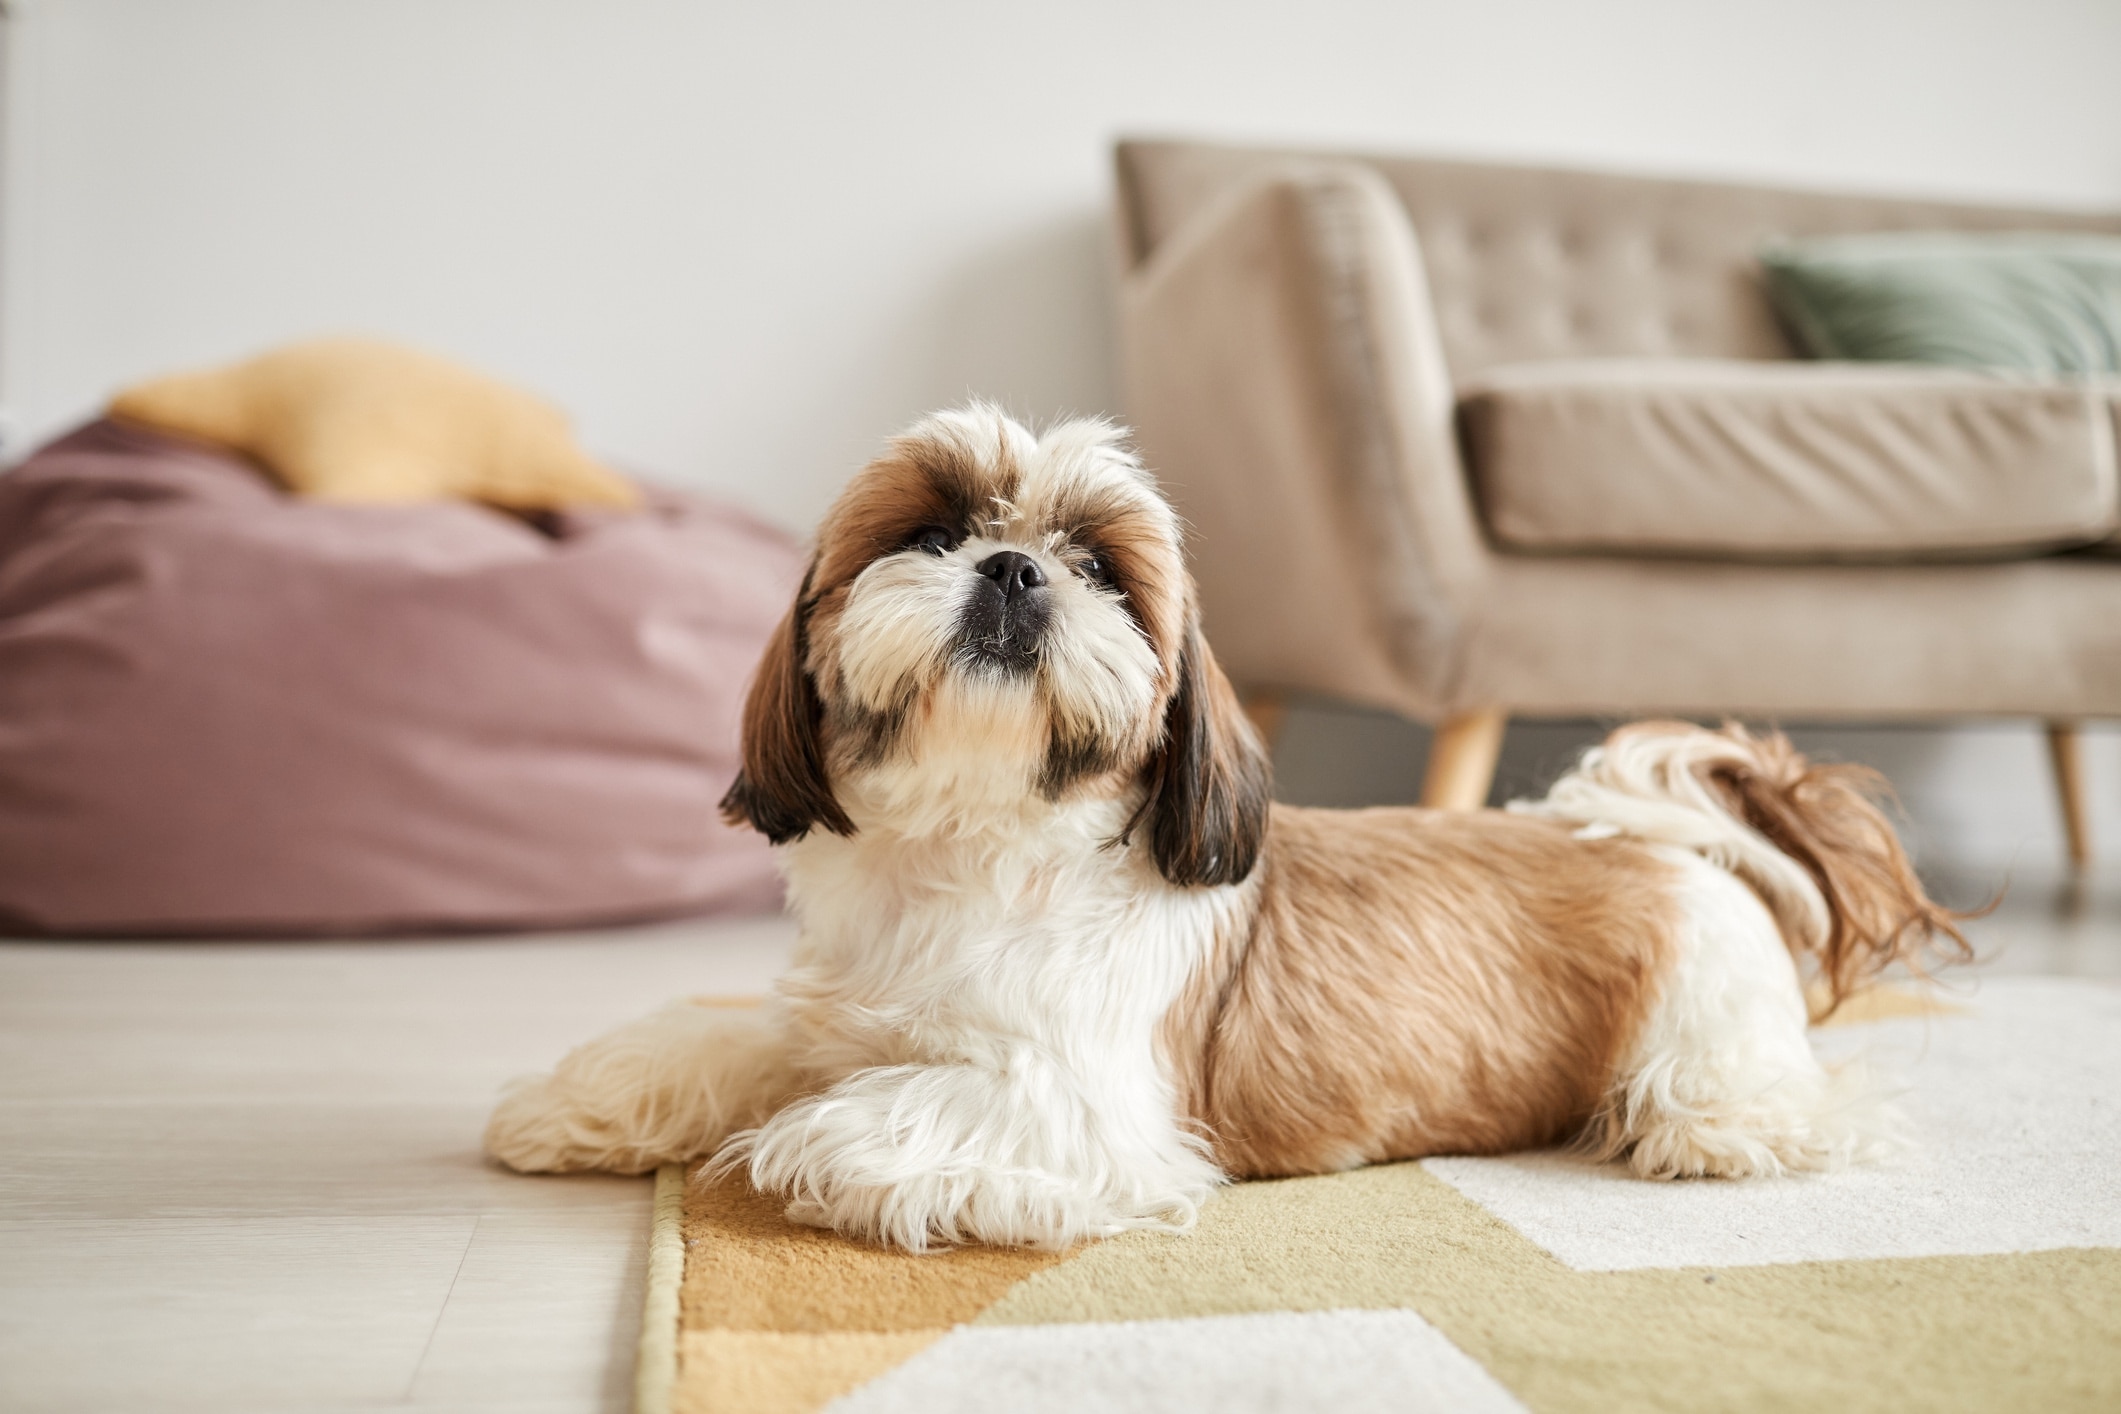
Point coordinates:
pixel 1210 782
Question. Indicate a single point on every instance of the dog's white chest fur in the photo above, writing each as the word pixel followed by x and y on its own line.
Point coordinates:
pixel 984 1008
pixel 949 947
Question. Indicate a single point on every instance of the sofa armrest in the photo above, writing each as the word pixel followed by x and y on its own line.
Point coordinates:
pixel 1286 380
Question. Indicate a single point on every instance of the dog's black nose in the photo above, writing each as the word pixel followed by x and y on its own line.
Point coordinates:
pixel 1013 572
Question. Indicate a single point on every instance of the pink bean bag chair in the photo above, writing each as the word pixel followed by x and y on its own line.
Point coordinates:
pixel 227 710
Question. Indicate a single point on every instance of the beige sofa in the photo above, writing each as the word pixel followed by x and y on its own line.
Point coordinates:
pixel 1466 441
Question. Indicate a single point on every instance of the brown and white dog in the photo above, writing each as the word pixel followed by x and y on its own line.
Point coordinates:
pixel 1064 969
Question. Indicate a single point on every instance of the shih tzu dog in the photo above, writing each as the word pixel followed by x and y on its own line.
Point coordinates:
pixel 1064 968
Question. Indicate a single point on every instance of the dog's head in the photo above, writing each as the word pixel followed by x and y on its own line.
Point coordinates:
pixel 993 621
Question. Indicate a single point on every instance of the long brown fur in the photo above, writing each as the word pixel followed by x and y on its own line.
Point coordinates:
pixel 1416 982
pixel 1828 817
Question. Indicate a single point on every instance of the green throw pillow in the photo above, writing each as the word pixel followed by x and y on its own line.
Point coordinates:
pixel 2028 301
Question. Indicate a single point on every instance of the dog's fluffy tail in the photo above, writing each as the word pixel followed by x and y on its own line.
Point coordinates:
pixel 1811 840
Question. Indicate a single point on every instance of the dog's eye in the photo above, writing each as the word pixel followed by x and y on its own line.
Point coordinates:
pixel 933 539
pixel 1097 569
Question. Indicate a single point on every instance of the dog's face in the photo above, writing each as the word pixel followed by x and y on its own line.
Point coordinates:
pixel 993 619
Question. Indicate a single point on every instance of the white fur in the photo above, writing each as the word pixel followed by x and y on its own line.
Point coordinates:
pixel 901 619
pixel 903 610
pixel 1722 1081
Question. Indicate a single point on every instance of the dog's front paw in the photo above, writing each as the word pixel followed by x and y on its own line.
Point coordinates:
pixel 917 1157
pixel 868 1187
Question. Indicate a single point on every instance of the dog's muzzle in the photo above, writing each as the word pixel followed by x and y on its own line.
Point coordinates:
pixel 1005 619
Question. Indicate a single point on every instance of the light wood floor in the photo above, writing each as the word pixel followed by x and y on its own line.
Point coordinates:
pixel 246 1178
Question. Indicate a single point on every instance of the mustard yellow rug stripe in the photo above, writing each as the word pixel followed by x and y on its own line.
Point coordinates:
pixel 2033 1331
pixel 777 1372
pixel 750 1269
pixel 656 1360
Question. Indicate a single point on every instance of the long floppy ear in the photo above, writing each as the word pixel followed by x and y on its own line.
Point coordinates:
pixel 782 791
pixel 1210 782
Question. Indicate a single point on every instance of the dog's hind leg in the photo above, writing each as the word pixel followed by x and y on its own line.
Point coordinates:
pixel 666 1088
pixel 1722 1081
pixel 1779 860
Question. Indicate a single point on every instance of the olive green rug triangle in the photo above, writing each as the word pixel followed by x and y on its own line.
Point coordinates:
pixel 1981 1272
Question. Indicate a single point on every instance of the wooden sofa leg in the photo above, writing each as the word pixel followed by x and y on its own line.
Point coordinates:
pixel 2069 790
pixel 1462 759
pixel 1268 711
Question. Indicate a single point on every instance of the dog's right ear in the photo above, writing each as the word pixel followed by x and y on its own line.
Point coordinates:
pixel 782 790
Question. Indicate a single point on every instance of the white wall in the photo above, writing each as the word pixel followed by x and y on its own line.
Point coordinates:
pixel 743 242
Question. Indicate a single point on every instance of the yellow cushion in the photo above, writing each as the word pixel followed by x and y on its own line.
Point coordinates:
pixel 365 421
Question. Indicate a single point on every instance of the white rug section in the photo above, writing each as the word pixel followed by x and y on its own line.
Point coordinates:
pixel 1283 1362
pixel 2017 1130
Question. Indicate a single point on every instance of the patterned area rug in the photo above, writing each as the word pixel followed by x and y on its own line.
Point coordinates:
pixel 1981 1272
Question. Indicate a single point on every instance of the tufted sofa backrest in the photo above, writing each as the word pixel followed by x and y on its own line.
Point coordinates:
pixel 1534 263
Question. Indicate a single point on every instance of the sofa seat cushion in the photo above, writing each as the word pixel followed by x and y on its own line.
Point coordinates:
pixel 1787 460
